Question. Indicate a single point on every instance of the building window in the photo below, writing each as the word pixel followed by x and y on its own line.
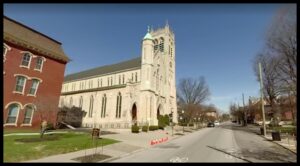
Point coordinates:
pixel 5 49
pixel 26 60
pixel 34 86
pixel 119 79
pixel 123 78
pixel 161 45
pixel 80 102
pixel 28 115
pixel 91 107
pixel 98 82
pixel 132 77
pixel 107 81
pixel 13 111
pixel 71 102
pixel 103 108
pixel 91 84
pixel 39 63
pixel 135 76
pixel 155 44
pixel 111 81
pixel 118 107
pixel 21 80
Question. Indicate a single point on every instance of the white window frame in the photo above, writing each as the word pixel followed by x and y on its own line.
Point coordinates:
pixel 43 60
pixel 7 48
pixel 16 122
pixel 39 81
pixel 30 54
pixel 33 110
pixel 26 78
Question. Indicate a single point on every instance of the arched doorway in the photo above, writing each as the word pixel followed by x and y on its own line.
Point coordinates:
pixel 158 111
pixel 134 113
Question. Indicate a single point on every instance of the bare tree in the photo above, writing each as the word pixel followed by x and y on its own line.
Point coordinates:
pixel 190 95
pixel 279 64
pixel 282 42
pixel 271 80
pixel 47 108
pixel 193 91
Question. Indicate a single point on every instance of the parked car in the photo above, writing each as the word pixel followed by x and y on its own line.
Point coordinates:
pixel 210 124
pixel 217 123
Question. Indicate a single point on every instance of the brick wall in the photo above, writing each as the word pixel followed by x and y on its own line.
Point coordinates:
pixel 48 91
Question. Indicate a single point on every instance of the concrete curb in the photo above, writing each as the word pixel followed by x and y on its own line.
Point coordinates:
pixel 121 156
pixel 279 144
pixel 276 143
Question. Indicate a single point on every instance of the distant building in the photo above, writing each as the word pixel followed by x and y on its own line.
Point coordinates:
pixel 211 113
pixel 33 73
pixel 129 92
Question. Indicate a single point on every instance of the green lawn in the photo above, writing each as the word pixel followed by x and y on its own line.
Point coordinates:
pixel 18 151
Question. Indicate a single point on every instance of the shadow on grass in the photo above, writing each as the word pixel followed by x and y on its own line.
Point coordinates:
pixel 38 139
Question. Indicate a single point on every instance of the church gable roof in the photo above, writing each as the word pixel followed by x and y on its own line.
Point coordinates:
pixel 125 65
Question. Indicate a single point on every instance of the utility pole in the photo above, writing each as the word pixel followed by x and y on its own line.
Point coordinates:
pixel 261 98
pixel 245 113
pixel 249 111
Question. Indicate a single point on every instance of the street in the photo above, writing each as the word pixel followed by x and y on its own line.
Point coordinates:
pixel 225 143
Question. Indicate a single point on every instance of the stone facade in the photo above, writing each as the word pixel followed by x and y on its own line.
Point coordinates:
pixel 136 94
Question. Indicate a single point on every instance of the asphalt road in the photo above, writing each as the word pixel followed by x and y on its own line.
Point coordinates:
pixel 225 143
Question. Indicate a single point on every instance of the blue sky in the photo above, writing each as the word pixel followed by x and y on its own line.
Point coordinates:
pixel 217 41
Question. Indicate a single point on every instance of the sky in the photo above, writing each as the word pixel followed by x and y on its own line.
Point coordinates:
pixel 216 41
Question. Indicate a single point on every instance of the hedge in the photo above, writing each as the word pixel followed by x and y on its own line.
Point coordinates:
pixel 145 128
pixel 152 128
pixel 135 129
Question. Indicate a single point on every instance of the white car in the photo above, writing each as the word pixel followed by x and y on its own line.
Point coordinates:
pixel 217 123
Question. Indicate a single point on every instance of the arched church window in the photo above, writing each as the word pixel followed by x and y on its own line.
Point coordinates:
pixel 103 109
pixel 161 44
pixel 91 106
pixel 119 104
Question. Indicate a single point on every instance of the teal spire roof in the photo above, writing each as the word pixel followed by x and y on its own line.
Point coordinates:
pixel 148 35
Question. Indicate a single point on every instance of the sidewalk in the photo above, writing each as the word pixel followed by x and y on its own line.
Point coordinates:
pixel 130 143
pixel 286 142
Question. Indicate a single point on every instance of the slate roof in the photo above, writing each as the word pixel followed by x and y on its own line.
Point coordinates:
pixel 125 65
pixel 29 38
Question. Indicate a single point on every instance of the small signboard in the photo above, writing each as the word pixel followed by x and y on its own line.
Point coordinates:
pixel 95 132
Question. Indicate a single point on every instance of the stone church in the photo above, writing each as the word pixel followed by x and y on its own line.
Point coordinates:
pixel 133 91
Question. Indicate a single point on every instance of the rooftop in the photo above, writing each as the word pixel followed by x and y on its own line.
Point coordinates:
pixel 121 66
pixel 22 35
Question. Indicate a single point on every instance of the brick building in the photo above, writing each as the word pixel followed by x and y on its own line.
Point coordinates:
pixel 33 72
